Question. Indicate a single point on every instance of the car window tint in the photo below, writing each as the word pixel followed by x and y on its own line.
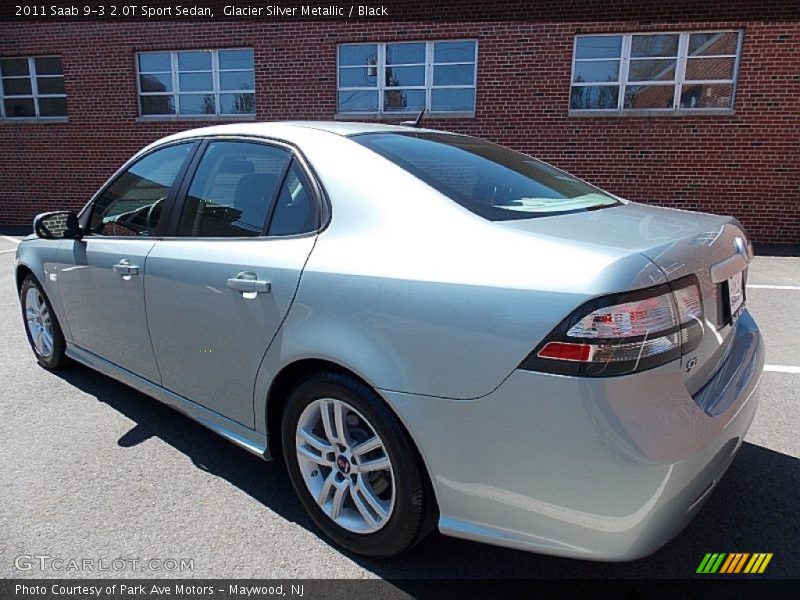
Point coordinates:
pixel 492 181
pixel 133 203
pixel 296 208
pixel 231 191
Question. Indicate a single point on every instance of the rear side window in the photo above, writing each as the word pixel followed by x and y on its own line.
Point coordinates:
pixel 132 205
pixel 232 190
pixel 492 181
pixel 296 207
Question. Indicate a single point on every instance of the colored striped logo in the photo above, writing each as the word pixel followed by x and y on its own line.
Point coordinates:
pixel 735 562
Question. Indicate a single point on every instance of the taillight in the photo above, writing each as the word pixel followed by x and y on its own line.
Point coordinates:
pixel 624 333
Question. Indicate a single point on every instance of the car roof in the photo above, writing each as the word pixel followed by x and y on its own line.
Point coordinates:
pixel 291 131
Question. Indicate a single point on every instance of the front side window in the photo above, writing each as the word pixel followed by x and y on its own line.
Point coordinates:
pixel 492 181
pixel 407 77
pixel 32 87
pixel 232 190
pixel 197 82
pixel 660 71
pixel 133 204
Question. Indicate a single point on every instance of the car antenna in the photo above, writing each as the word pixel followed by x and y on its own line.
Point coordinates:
pixel 416 122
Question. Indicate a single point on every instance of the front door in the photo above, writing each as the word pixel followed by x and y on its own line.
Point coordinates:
pixel 218 292
pixel 101 276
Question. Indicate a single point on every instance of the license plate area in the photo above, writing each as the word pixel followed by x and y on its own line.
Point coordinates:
pixel 734 292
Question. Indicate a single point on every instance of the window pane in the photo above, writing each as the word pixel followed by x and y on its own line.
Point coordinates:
pixel 401 100
pixel 649 96
pixel 132 204
pixel 237 104
pixel 654 45
pixel 363 54
pixel 20 107
pixel 651 70
pixel 444 52
pixel 491 181
pixel 358 101
pixel 158 105
pixel 194 61
pixel 17 87
pixel 594 97
pixel 404 76
pixel 599 46
pixel 236 59
pixel 14 66
pixel 713 43
pixel 237 80
pixel 709 68
pixel 706 96
pixel 358 77
pixel 596 70
pixel 398 54
pixel 454 75
pixel 197 104
pixel 52 107
pixel 453 100
pixel 232 189
pixel 49 65
pixel 157 82
pixel 50 85
pixel 296 209
pixel 195 82
pixel 155 62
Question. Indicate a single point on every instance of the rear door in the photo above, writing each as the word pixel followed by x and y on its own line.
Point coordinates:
pixel 218 289
pixel 101 276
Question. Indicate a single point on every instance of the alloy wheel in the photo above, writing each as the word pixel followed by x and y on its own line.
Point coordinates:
pixel 345 465
pixel 39 322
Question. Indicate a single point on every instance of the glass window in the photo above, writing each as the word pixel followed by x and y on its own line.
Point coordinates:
pixel 232 189
pixel 661 71
pixel 296 208
pixel 491 181
pixel 133 203
pixel 197 82
pixel 405 77
pixel 32 87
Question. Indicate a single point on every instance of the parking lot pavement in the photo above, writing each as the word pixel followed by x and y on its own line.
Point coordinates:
pixel 91 469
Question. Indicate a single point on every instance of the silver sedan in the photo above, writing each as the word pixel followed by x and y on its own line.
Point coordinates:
pixel 430 329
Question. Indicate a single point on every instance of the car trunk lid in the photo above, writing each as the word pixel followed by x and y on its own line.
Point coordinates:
pixel 680 243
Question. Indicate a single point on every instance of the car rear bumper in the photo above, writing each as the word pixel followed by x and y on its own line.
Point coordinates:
pixel 601 469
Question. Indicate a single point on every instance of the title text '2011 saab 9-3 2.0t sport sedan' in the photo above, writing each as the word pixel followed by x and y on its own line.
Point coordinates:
pixel 432 330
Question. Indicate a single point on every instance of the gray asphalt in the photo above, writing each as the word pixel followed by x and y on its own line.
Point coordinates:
pixel 90 469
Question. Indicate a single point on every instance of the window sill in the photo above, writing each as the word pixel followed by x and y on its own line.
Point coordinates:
pixel 194 119
pixel 34 120
pixel 402 116
pixel 698 112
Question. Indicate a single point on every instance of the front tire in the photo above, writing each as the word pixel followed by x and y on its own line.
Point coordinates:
pixel 354 467
pixel 41 325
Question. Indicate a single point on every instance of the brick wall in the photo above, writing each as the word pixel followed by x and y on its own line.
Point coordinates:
pixel 746 164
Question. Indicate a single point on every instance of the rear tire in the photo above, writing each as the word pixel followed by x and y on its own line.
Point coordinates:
pixel 359 477
pixel 41 325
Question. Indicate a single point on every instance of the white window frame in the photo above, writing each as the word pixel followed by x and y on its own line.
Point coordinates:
pixel 429 86
pixel 176 91
pixel 33 77
pixel 678 82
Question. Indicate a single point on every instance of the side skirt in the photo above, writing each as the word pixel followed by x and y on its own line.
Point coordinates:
pixel 244 437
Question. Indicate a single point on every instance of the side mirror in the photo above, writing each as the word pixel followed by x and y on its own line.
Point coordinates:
pixel 58 225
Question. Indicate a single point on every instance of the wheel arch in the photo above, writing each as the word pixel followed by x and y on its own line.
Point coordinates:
pixel 294 372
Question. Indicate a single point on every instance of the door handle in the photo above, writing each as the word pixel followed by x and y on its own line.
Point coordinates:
pixel 125 268
pixel 247 282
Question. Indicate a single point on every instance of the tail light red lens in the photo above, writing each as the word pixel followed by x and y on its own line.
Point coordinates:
pixel 624 333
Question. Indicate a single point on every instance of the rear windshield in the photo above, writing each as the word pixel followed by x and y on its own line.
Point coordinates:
pixel 490 180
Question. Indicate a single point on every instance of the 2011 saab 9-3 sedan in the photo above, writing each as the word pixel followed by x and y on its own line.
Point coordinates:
pixel 431 329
